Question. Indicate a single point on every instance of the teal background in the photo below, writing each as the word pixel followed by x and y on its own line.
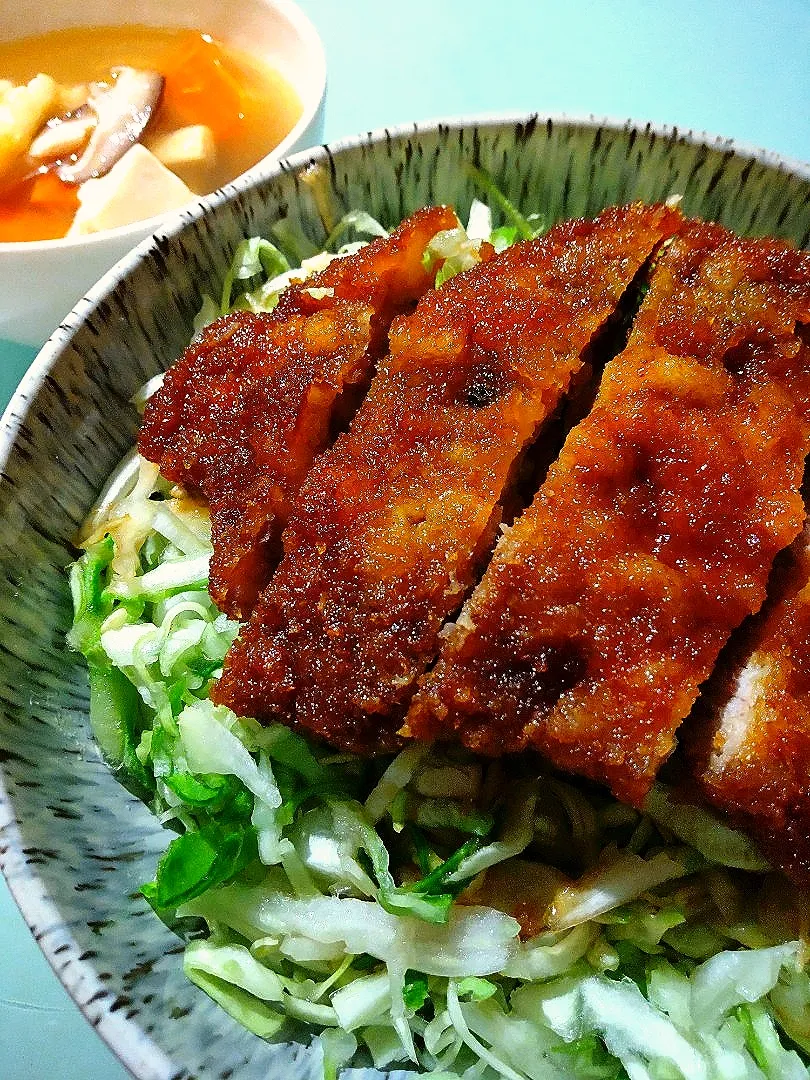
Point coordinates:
pixel 736 69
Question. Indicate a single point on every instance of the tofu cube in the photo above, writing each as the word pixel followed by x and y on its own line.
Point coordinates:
pixel 189 151
pixel 138 186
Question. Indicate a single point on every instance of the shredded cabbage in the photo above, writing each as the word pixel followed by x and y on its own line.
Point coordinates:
pixel 433 908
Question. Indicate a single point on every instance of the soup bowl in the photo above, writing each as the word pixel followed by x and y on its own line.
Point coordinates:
pixel 42 279
pixel 74 845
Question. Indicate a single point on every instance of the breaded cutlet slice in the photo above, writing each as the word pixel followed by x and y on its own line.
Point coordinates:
pixel 748 740
pixel 244 411
pixel 393 523
pixel 606 605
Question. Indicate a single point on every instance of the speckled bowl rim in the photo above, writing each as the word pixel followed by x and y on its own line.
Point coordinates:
pixel 136 1050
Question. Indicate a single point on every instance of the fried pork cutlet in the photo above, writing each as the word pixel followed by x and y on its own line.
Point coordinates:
pixel 748 740
pixel 247 407
pixel 391 527
pixel 606 605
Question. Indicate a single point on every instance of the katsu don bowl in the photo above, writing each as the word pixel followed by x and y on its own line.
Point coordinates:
pixel 77 846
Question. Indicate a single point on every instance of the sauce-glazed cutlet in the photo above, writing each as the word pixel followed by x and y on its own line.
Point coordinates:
pixel 247 407
pixel 391 527
pixel 748 739
pixel 606 605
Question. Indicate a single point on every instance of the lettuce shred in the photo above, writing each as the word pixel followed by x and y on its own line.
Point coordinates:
pixel 260 269
pixel 432 911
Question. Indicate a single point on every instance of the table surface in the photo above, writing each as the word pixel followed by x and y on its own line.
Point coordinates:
pixel 736 69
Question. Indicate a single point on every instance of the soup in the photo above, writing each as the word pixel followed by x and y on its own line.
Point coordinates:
pixel 218 111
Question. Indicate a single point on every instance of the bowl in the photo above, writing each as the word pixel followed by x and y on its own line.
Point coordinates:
pixel 43 279
pixel 74 845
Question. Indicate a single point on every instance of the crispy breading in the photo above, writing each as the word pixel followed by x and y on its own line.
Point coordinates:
pixel 606 605
pixel 393 523
pixel 748 739
pixel 245 410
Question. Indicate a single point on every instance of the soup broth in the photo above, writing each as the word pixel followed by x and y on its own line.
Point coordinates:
pixel 247 105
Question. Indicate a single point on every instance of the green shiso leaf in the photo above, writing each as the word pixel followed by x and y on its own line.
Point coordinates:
pixel 416 991
pixel 213 793
pixel 199 860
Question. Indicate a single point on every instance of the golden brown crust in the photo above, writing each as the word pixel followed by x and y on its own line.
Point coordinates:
pixel 606 606
pixel 393 522
pixel 247 407
pixel 748 741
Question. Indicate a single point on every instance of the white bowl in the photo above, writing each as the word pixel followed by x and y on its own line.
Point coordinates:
pixel 41 280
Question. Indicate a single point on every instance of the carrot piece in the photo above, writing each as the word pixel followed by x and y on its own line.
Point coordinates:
pixel 202 85
pixel 42 209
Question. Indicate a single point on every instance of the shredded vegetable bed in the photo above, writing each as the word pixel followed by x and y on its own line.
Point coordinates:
pixel 434 911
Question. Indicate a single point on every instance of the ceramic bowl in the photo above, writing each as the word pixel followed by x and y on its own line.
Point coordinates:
pixel 43 279
pixel 73 844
